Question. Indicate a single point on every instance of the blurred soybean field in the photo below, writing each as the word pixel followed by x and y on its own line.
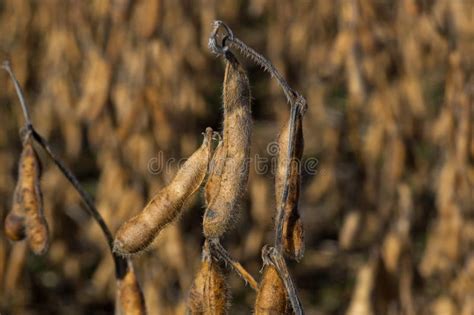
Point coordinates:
pixel 120 87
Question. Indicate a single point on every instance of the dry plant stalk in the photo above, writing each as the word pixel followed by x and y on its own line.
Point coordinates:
pixel 209 293
pixel 137 233
pixel 236 144
pixel 130 300
pixel 14 225
pixel 220 252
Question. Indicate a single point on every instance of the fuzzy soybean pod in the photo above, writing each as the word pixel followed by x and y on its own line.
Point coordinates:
pixel 292 232
pixel 271 295
pixel 130 300
pixel 236 144
pixel 32 200
pixel 215 172
pixel 15 220
pixel 209 293
pixel 138 232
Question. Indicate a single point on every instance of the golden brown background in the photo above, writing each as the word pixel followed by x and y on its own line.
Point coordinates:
pixel 389 214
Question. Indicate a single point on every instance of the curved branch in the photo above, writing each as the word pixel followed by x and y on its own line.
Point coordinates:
pixel 120 262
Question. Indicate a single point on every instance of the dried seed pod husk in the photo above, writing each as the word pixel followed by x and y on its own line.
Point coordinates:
pixel 15 220
pixel 14 268
pixel 293 231
pixel 236 144
pixel 271 296
pixel 361 301
pixel 209 293
pixel 130 300
pixel 138 232
pixel 215 172
pixel 32 200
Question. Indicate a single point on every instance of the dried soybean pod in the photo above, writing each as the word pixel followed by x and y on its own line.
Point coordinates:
pixel 195 302
pixel 293 232
pixel 138 232
pixel 15 220
pixel 236 144
pixel 271 296
pixel 216 292
pixel 215 173
pixel 209 293
pixel 32 199
pixel 130 300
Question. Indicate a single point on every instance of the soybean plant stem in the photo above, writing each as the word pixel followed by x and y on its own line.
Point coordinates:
pixel 221 253
pixel 6 66
pixel 249 53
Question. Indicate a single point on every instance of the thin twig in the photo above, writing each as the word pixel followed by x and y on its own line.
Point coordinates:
pixel 73 180
pixel 24 107
pixel 120 262
pixel 222 254
pixel 250 53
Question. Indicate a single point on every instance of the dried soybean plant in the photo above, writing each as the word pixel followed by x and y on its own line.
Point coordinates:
pixel 276 292
pixel 390 86
pixel 227 171
pixel 26 218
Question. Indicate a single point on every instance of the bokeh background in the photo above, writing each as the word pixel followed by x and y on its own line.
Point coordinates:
pixel 388 213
